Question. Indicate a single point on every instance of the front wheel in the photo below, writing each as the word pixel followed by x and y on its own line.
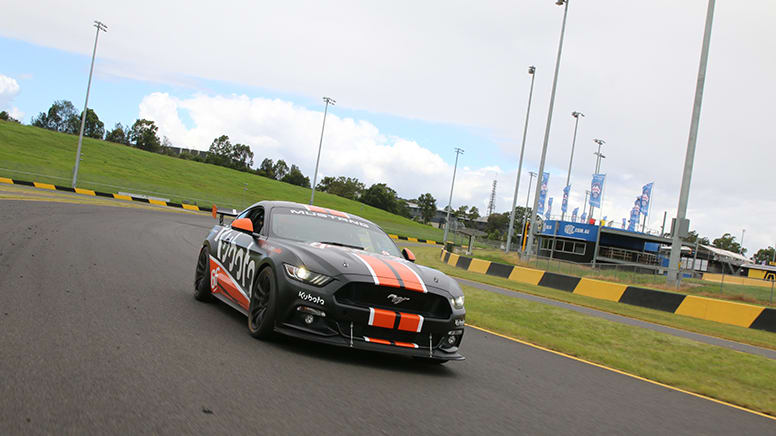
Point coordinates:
pixel 202 277
pixel 261 313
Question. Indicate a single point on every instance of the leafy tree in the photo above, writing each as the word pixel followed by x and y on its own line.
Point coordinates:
pixel 497 223
pixel 281 169
pixel 119 134
pixel 343 186
pixel 93 127
pixel 295 177
pixel 267 168
pixel 59 117
pixel 143 135
pixel 693 236
pixel 242 157
pixel 381 196
pixel 764 255
pixel 460 213
pixel 220 151
pixel 428 207
pixel 728 242
pixel 403 208
pixel 5 116
pixel 473 213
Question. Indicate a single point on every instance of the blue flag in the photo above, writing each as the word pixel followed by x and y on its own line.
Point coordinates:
pixel 549 208
pixel 634 218
pixel 565 205
pixel 596 189
pixel 646 197
pixel 623 223
pixel 584 217
pixel 574 215
pixel 543 193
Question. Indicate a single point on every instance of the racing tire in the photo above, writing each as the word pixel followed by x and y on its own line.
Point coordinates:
pixel 261 312
pixel 202 277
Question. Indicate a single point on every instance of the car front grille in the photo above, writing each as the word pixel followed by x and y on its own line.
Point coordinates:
pixel 370 295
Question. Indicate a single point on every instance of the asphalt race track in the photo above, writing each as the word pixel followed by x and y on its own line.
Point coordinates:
pixel 100 333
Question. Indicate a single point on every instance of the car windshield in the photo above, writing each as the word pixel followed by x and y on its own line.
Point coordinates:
pixel 330 227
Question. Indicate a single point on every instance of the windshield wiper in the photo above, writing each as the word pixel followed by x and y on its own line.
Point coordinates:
pixel 340 244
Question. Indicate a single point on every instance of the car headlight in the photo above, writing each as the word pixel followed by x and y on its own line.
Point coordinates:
pixel 304 275
pixel 457 302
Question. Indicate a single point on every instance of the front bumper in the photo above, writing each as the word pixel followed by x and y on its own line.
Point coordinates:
pixel 348 324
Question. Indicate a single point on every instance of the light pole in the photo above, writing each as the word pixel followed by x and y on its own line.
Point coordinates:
pixel 576 116
pixel 104 28
pixel 329 101
pixel 587 193
pixel 565 4
pixel 458 151
pixel 742 241
pixel 598 158
pixel 673 276
pixel 532 72
pixel 525 214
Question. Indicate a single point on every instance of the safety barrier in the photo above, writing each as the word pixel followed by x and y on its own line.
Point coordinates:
pixel 192 207
pixel 726 312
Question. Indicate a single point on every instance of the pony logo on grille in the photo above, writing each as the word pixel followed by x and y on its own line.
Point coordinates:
pixel 395 299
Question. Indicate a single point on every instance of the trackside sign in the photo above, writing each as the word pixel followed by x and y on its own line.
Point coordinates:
pixel 566 229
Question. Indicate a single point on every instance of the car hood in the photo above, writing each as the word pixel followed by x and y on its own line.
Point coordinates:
pixel 380 269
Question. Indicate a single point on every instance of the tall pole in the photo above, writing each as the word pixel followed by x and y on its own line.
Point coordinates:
pixel 743 231
pixel 584 208
pixel 458 152
pixel 598 158
pixel 576 116
pixel 525 214
pixel 673 276
pixel 531 71
pixel 329 101
pixel 104 28
pixel 529 248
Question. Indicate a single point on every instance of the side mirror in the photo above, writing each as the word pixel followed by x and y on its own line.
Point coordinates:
pixel 408 254
pixel 244 225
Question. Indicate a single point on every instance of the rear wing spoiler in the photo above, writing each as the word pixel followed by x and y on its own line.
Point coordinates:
pixel 220 214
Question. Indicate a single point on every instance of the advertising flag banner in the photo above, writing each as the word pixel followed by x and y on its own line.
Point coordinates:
pixel 646 197
pixel 549 208
pixel 565 205
pixel 623 223
pixel 634 218
pixel 596 189
pixel 574 214
pixel 584 217
pixel 543 193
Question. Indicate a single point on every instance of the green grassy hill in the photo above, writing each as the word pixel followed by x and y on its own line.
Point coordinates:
pixel 34 154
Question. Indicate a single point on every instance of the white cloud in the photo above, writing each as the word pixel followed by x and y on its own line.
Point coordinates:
pixel 9 89
pixel 279 129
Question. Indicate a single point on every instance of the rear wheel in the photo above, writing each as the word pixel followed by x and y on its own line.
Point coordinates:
pixel 202 277
pixel 261 313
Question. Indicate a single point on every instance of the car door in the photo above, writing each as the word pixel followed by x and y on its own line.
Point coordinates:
pixel 239 254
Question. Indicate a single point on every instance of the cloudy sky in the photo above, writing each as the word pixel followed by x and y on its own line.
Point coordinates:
pixel 413 80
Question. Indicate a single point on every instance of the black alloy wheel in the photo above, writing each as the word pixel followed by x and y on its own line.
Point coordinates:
pixel 261 313
pixel 202 277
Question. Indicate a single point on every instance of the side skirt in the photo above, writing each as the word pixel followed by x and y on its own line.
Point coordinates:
pixel 231 304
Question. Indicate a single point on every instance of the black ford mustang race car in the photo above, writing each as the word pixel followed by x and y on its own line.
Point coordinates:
pixel 330 277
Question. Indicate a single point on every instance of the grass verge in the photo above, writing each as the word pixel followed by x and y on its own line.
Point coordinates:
pixel 739 378
pixel 429 256
pixel 113 167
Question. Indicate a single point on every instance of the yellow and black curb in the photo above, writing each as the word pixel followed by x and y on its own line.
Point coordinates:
pixel 192 207
pixel 411 239
pixel 727 312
